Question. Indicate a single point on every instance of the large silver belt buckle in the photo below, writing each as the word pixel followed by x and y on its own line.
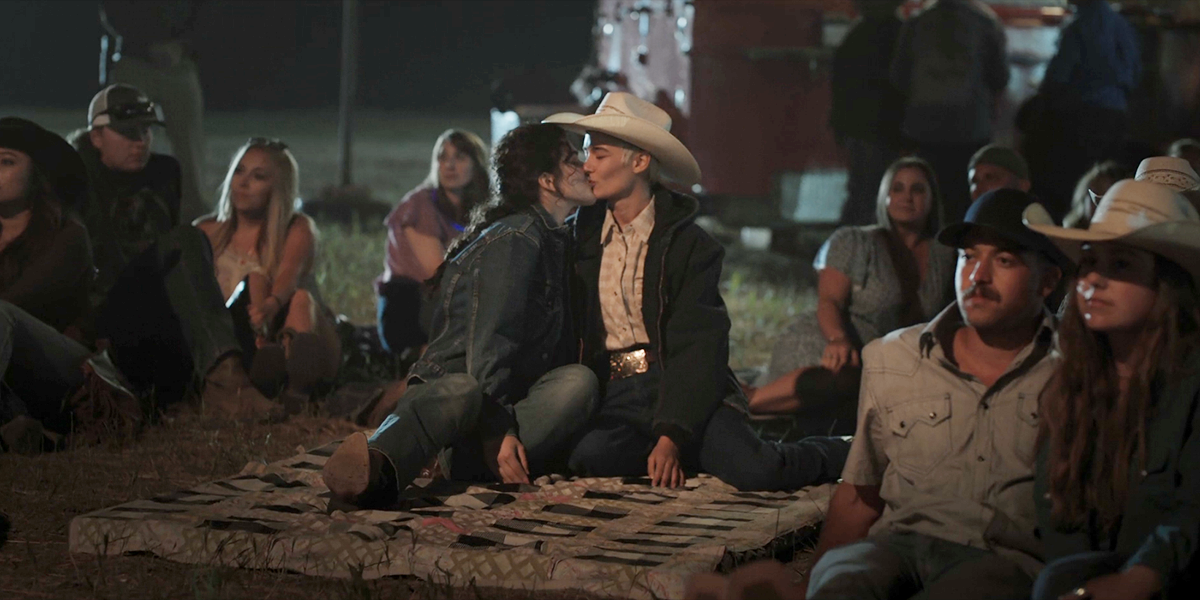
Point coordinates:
pixel 627 364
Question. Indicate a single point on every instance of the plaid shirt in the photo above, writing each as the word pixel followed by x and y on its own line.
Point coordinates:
pixel 622 268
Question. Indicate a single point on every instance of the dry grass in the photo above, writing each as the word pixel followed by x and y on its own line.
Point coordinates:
pixel 764 293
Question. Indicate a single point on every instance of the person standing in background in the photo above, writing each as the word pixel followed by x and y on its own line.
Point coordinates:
pixel 866 108
pixel 1086 87
pixel 950 66
pixel 148 45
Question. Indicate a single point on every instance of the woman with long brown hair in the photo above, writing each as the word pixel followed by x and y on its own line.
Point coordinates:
pixel 1118 468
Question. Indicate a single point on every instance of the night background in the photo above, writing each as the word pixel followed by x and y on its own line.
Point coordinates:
pixel 265 54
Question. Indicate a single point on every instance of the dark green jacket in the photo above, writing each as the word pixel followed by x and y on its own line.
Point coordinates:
pixel 682 308
pixel 1160 527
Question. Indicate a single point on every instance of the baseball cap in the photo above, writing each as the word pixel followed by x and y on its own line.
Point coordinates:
pixel 125 109
pixel 1000 211
pixel 1003 157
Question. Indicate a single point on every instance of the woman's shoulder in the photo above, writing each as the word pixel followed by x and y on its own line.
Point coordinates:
pixel 420 201
pixel 207 223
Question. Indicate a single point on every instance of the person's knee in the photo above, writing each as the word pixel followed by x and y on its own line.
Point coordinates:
pixel 579 388
pixel 455 397
pixel 864 567
pixel 302 301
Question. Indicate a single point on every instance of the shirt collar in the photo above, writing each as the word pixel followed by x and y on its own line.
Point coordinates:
pixel 548 220
pixel 939 334
pixel 641 226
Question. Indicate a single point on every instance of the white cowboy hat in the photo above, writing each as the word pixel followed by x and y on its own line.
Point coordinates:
pixel 631 119
pixel 1139 214
pixel 1175 173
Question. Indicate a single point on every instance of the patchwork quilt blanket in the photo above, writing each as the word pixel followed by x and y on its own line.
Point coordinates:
pixel 610 536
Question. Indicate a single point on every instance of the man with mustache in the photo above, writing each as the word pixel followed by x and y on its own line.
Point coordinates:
pixel 936 498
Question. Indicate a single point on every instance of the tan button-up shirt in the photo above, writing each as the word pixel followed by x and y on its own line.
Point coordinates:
pixel 954 459
pixel 622 266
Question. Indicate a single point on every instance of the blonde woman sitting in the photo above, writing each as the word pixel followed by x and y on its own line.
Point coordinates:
pixel 264 253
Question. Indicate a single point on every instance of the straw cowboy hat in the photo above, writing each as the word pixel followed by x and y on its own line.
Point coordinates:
pixel 1175 173
pixel 1138 214
pixel 631 119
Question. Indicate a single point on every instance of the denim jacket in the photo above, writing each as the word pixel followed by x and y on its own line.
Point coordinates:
pixel 501 313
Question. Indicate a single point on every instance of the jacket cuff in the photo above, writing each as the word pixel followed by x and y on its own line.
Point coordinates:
pixel 496 420
pixel 676 432
pixel 1155 553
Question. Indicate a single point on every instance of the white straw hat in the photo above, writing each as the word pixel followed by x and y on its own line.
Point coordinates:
pixel 1175 173
pixel 1139 214
pixel 631 119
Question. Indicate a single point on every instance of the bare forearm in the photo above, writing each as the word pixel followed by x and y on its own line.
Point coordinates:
pixel 829 319
pixel 852 512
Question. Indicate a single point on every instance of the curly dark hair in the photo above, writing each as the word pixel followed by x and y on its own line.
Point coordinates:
pixel 519 159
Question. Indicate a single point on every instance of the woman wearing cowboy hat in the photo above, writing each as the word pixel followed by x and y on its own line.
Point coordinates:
pixel 45 259
pixel 45 269
pixel 1118 472
pixel 654 325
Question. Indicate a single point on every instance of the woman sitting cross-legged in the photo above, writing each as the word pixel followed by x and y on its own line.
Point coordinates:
pixel 420 229
pixel 496 381
pixel 263 253
pixel 1117 487
pixel 871 280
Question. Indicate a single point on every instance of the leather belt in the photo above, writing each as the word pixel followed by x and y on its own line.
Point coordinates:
pixel 627 363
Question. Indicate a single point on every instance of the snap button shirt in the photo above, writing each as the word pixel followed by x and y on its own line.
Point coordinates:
pixel 622 269
pixel 954 459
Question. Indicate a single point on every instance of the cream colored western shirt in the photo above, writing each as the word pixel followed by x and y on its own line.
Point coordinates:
pixel 622 266
pixel 954 458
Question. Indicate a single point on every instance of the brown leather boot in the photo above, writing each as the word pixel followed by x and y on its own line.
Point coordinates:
pixel 228 393
pixel 359 477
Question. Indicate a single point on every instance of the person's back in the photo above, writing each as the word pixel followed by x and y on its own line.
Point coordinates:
pixel 950 64
pixel 1099 60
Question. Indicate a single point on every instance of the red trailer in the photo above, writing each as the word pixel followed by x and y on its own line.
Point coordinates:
pixel 747 83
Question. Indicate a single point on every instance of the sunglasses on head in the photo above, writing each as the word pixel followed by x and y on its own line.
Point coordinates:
pixel 265 142
pixel 133 111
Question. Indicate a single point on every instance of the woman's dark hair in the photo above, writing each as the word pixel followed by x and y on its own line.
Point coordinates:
pixel 523 155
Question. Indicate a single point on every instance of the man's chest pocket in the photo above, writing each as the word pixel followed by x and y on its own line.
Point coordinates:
pixel 920 434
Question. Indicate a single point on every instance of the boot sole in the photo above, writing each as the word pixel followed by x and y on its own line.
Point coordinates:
pixel 348 472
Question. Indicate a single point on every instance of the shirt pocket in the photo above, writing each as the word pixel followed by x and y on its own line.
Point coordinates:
pixel 920 432
pixel 1025 436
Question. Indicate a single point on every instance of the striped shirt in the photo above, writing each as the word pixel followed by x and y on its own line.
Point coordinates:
pixel 622 267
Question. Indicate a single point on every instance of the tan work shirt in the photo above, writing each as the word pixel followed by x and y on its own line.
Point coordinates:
pixel 954 459
pixel 622 266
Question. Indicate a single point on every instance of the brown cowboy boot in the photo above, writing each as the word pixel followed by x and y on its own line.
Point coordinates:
pixel 228 393
pixel 359 477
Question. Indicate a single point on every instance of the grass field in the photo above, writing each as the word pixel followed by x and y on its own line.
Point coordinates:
pixel 764 292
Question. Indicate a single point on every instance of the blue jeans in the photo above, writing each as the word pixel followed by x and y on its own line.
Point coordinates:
pixel 39 367
pixel 910 565
pixel 619 440
pixel 445 412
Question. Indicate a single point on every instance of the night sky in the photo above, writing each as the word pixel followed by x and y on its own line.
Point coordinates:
pixel 264 54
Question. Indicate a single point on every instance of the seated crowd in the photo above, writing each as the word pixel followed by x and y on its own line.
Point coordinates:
pixel 1007 404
